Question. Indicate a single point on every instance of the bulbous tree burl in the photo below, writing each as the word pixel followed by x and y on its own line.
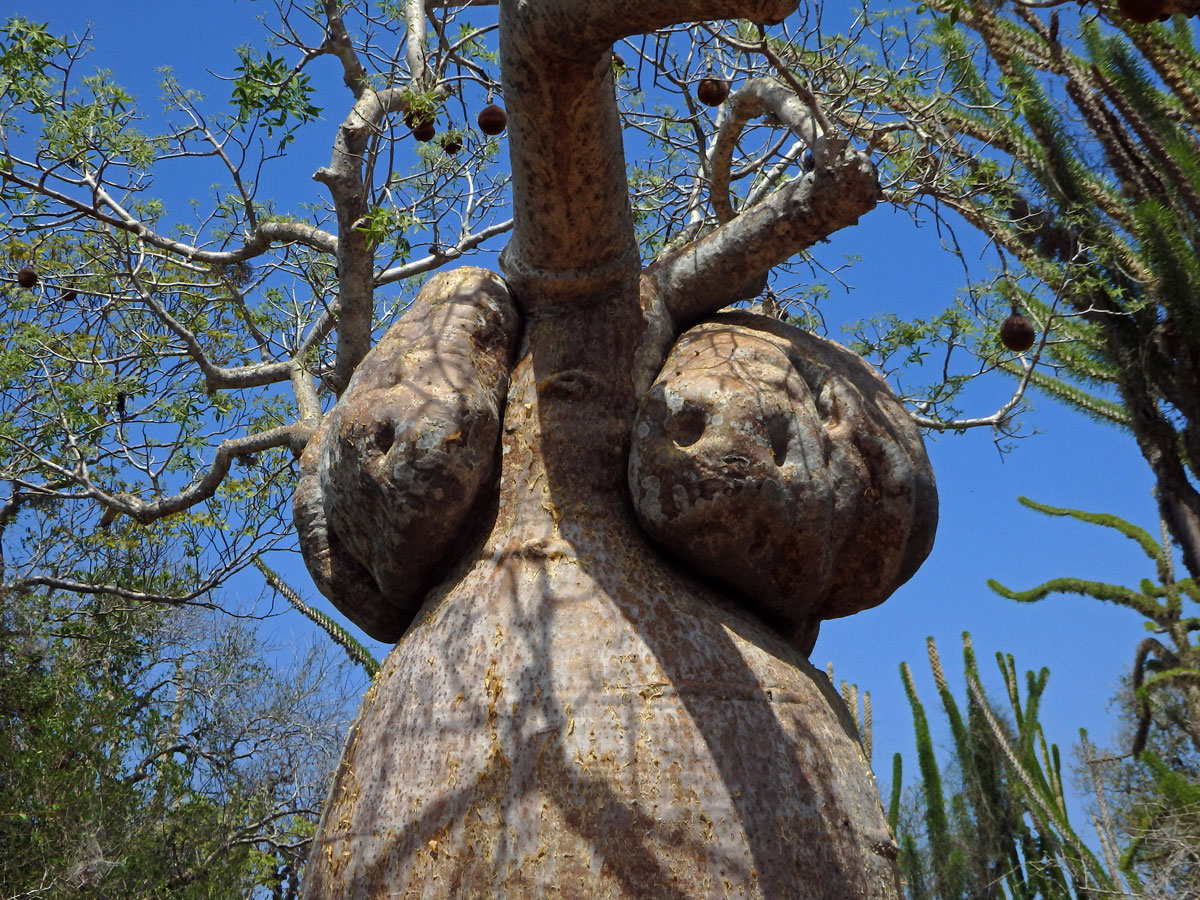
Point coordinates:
pixel 601 688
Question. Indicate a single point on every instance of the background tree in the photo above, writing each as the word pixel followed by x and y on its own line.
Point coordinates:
pixel 147 751
pixel 1157 666
pixel 569 704
pixel 993 822
pixel 1067 136
pixel 1153 802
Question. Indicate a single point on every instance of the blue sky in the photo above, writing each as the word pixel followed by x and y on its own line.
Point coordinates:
pixel 983 534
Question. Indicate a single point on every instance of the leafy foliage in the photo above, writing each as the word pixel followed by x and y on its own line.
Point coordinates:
pixel 147 753
pixel 1068 137
pixel 267 90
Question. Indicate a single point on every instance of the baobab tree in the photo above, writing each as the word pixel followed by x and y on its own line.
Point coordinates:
pixel 602 519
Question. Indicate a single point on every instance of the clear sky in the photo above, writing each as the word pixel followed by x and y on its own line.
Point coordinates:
pixel 983 533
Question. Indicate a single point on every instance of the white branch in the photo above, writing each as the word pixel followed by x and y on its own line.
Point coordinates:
pixel 443 256
pixel 293 436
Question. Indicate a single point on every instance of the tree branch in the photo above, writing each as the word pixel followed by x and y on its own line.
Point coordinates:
pixel 344 179
pixel 215 377
pixel 573 236
pixel 256 243
pixel 293 436
pixel 443 256
pixel 414 42
pixel 83 587
pixel 755 98
pixel 709 273
pixel 338 43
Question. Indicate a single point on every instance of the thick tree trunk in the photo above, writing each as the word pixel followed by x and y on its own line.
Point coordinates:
pixel 599 728
pixel 573 716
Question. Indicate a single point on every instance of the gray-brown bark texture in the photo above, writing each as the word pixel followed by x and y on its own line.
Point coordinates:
pixel 778 464
pixel 575 710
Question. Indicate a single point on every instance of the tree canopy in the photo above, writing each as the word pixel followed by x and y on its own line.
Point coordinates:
pixel 178 347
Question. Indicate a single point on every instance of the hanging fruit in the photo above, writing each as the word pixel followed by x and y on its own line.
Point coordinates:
pixel 1141 11
pixel 1017 332
pixel 27 277
pixel 421 121
pixel 452 142
pixel 492 119
pixel 414 118
pixel 712 91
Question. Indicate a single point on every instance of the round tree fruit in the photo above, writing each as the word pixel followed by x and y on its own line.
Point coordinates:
pixel 452 143
pixel 492 119
pixel 1141 11
pixel 424 131
pixel 712 91
pixel 27 277
pixel 1017 332
pixel 418 118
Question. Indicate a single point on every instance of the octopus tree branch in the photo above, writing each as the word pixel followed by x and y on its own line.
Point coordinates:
pixel 293 436
pixel 1145 649
pixel 759 97
pixel 339 635
pixel 718 268
pixel 444 255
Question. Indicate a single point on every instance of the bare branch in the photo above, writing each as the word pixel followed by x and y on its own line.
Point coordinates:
pixel 344 179
pixel 293 436
pixel 414 43
pixel 444 255
pixel 792 218
pixel 256 243
pixel 339 44
pixel 759 97
pixel 215 377
pixel 115 590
